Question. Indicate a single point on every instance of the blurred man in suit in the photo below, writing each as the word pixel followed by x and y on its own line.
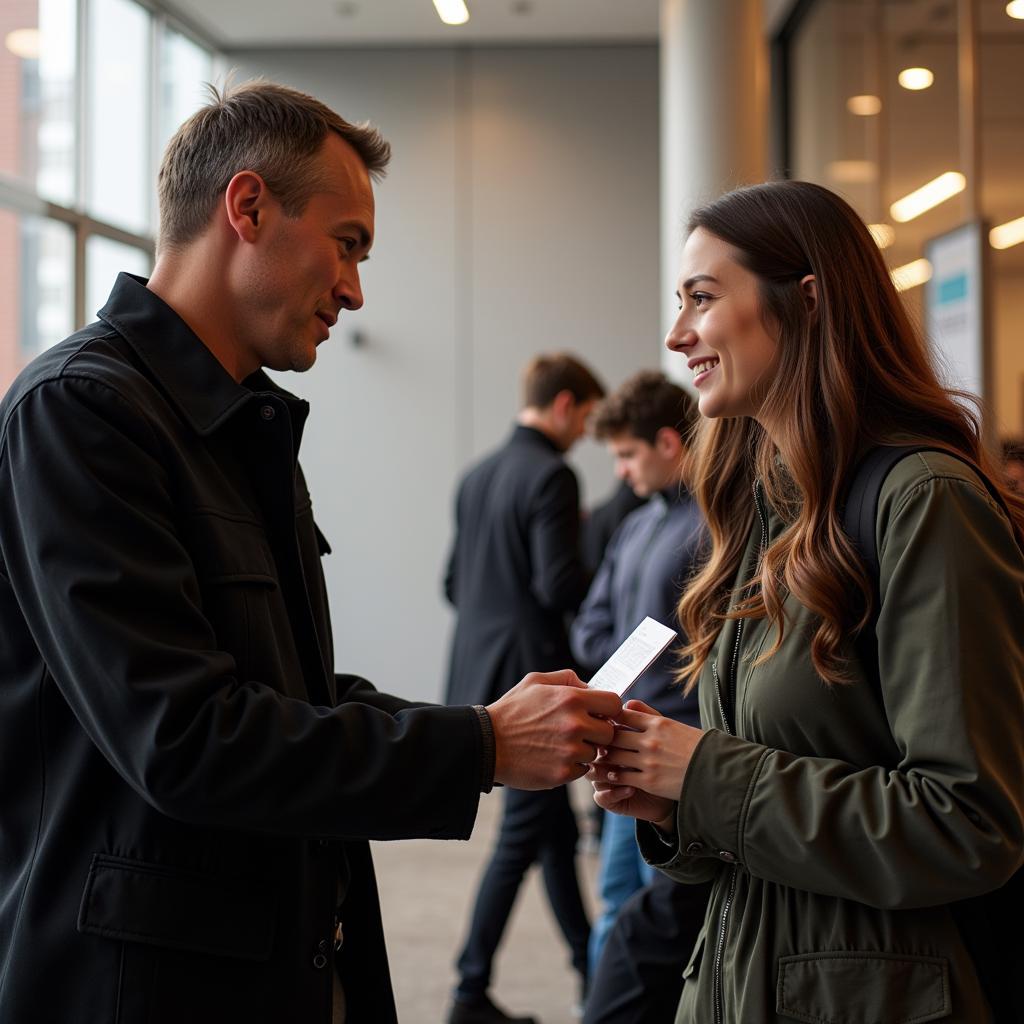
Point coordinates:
pixel 514 575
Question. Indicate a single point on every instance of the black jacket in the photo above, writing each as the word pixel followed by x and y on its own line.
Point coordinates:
pixel 185 785
pixel 515 570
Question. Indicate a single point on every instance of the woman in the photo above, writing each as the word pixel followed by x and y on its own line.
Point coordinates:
pixel 852 816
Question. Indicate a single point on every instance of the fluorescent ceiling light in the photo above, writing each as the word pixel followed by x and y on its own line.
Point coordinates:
pixel 916 79
pixel 452 12
pixel 866 106
pixel 1002 236
pixel 1015 9
pixel 24 43
pixel 910 275
pixel 883 234
pixel 944 187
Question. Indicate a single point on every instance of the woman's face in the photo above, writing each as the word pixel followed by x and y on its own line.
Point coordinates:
pixel 719 329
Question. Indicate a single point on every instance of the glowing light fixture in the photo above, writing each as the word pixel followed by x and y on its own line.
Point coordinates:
pixel 452 12
pixel 24 43
pixel 853 172
pixel 910 275
pixel 866 106
pixel 936 191
pixel 883 234
pixel 1002 236
pixel 1015 9
pixel 916 79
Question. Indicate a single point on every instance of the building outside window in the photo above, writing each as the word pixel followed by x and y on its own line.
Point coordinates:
pixel 90 92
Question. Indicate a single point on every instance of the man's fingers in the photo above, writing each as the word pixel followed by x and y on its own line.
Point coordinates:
pixel 604 703
pixel 635 721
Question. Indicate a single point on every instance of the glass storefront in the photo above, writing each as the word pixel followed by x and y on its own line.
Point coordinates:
pixel 880 110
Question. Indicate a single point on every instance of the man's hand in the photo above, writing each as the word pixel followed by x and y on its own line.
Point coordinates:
pixel 547 729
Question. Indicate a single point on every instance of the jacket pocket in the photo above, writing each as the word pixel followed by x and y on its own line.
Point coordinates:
pixel 852 987
pixel 141 902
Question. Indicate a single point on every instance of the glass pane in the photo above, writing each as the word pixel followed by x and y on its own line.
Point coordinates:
pixel 104 260
pixel 185 68
pixel 1001 66
pixel 37 98
pixel 36 288
pixel 120 184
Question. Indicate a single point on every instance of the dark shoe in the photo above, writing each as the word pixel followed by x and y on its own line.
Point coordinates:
pixel 482 1011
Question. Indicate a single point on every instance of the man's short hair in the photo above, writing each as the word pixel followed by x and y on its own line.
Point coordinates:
pixel 642 406
pixel 1013 449
pixel 258 126
pixel 547 375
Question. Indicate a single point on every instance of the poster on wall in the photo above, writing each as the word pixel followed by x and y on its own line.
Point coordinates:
pixel 954 306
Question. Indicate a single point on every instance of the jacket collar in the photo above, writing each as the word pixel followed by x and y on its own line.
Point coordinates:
pixel 189 373
pixel 533 436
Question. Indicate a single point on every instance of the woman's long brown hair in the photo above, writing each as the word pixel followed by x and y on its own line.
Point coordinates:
pixel 852 373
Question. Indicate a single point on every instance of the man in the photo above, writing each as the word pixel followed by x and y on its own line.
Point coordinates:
pixel 648 560
pixel 513 576
pixel 186 787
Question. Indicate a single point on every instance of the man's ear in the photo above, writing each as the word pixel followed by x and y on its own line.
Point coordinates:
pixel 563 403
pixel 668 443
pixel 809 286
pixel 245 202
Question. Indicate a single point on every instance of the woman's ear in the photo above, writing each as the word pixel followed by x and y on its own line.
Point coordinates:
pixel 809 286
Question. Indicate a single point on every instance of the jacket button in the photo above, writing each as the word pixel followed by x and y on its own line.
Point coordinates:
pixel 727 856
pixel 319 961
pixel 694 848
pixel 323 946
pixel 268 412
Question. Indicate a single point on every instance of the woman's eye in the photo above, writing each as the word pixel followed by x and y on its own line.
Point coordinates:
pixel 700 299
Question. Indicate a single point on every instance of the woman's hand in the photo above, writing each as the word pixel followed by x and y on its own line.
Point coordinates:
pixel 627 799
pixel 654 751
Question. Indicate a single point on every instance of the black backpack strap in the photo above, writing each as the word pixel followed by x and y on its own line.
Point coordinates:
pixel 860 512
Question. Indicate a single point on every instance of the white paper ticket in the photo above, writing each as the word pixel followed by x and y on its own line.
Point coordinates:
pixel 634 655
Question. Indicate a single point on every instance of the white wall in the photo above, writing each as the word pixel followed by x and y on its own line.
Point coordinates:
pixel 520 213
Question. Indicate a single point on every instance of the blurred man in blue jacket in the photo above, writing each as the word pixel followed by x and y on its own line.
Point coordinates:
pixel 645 567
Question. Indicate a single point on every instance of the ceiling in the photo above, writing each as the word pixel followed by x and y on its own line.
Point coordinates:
pixel 233 25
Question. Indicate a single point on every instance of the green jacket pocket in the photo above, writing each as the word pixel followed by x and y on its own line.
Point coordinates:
pixel 852 987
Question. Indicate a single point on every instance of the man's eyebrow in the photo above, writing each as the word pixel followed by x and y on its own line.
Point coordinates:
pixel 691 281
pixel 364 235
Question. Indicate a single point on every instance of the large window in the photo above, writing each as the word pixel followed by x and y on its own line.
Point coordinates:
pixel 82 123
pixel 876 112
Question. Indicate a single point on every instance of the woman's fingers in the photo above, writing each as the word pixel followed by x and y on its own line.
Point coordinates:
pixel 639 705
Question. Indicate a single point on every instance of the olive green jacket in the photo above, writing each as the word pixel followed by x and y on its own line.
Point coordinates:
pixel 840 823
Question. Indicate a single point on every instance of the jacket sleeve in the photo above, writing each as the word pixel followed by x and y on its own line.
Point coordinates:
pixel 592 635
pixel 559 578
pixel 947 821
pixel 91 545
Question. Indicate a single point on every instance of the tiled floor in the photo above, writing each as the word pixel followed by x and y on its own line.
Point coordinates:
pixel 427 889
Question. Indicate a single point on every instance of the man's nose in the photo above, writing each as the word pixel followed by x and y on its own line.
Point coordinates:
pixel 348 290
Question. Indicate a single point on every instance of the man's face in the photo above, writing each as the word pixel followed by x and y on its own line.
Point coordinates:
pixel 302 271
pixel 642 466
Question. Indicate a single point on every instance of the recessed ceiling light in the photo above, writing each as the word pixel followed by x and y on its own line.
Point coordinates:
pixel 452 12
pixel 24 43
pixel 1002 236
pixel 936 191
pixel 910 275
pixel 1015 9
pixel 916 79
pixel 883 234
pixel 864 106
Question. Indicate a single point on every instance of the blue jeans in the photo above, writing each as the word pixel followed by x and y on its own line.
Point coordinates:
pixel 622 871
